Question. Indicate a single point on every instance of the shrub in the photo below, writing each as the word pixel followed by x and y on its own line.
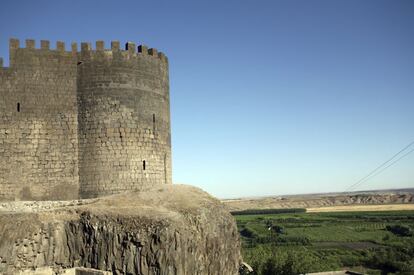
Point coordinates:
pixel 247 233
pixel 401 230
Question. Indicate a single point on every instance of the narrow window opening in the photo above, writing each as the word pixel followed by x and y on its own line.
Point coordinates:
pixel 153 123
pixel 143 164
pixel 18 107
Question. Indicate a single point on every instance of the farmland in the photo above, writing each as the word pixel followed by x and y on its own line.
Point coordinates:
pixel 380 242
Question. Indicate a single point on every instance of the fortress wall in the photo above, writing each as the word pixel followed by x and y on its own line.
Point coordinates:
pixel 83 124
pixel 38 124
pixel 124 119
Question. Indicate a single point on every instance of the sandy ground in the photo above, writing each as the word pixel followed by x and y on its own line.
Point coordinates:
pixel 348 208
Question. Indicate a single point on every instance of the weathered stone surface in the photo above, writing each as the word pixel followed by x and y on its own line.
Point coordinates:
pixel 82 124
pixel 171 229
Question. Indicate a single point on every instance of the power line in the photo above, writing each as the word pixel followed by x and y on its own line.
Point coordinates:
pixel 391 164
pixel 381 168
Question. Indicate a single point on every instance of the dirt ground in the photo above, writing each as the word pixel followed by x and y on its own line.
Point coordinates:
pixel 351 208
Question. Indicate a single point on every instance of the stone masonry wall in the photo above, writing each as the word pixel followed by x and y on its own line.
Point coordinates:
pixel 124 129
pixel 82 124
pixel 38 124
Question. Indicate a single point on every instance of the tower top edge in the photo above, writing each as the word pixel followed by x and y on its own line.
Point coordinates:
pixel 86 48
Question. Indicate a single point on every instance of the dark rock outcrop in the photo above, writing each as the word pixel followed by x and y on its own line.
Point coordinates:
pixel 171 229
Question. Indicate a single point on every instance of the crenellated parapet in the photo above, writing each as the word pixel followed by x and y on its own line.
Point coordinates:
pixel 27 56
pixel 30 44
pixel 129 52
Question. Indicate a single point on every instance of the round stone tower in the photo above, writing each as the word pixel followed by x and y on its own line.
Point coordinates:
pixel 123 119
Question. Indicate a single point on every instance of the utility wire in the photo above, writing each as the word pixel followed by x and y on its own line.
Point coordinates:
pixel 381 167
pixel 391 164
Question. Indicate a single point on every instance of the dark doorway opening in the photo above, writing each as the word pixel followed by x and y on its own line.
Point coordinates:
pixel 18 107
pixel 143 164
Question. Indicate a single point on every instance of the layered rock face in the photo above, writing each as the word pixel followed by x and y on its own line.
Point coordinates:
pixel 170 229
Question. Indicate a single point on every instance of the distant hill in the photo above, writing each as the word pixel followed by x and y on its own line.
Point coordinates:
pixel 371 197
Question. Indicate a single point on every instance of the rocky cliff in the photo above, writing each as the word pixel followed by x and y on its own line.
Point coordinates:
pixel 171 229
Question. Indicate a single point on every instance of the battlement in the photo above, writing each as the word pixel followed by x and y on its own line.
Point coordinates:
pixel 30 44
pixel 86 51
pixel 129 51
pixel 79 120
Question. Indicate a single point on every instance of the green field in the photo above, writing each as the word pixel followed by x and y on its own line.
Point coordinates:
pixel 294 243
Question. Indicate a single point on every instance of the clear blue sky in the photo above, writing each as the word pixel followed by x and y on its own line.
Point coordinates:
pixel 267 97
